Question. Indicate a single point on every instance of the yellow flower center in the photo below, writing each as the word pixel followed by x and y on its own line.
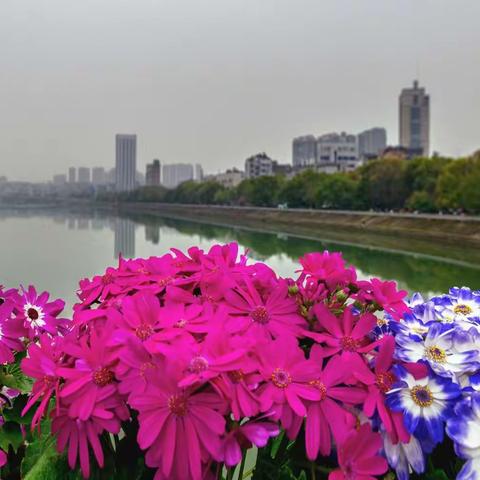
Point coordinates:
pixel 421 395
pixel 436 354
pixel 281 378
pixel 462 309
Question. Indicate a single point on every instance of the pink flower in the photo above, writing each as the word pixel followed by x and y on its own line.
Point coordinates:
pixel 218 353
pixel 38 314
pixel 135 364
pixel 358 457
pixel 237 387
pixel 82 435
pixel 327 417
pixel 41 363
pixel 272 316
pixel 140 317
pixel 346 334
pixel 91 379
pixel 286 374
pixel 379 382
pixel 385 294
pixel 244 437
pixel 99 287
pixel 3 458
pixel 11 332
pixel 179 427
pixel 328 268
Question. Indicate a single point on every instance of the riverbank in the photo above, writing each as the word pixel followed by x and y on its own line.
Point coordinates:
pixel 455 237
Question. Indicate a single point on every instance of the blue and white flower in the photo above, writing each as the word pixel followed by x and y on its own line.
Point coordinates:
pixel 409 325
pixel 425 403
pixel 449 354
pixel 461 306
pixel 423 309
pixel 464 429
pixel 405 458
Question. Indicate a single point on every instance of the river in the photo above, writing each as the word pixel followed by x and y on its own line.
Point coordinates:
pixel 54 248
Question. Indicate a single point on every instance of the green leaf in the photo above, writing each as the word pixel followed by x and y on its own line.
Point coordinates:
pixel 43 462
pixel 276 444
pixel 437 475
pixel 12 377
pixel 10 435
pixel 14 414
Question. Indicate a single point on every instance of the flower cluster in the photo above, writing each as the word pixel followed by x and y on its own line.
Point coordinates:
pixel 25 316
pixel 206 354
pixel 442 334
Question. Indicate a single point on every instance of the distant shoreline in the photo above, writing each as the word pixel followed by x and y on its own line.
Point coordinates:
pixel 458 231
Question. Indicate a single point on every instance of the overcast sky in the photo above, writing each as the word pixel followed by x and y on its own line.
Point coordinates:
pixel 214 81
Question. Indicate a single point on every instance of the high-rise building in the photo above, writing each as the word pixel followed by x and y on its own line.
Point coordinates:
pixel 337 152
pixel 72 175
pixel 304 151
pixel 176 173
pixel 152 174
pixel 125 162
pixel 83 175
pixel 198 172
pixel 371 143
pixel 414 120
pixel 99 176
pixel 258 165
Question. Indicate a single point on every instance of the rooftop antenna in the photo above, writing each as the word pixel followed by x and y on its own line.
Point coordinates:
pixel 417 73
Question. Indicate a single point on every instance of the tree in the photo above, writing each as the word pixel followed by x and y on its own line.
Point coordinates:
pixel 383 184
pixel 337 190
pixel 300 191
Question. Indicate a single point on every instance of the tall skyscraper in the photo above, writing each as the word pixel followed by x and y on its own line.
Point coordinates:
pixel 198 172
pixel 371 143
pixel 83 175
pixel 72 175
pixel 125 162
pixel 414 120
pixel 152 174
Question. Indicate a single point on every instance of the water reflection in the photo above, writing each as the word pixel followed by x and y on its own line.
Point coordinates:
pixel 97 237
pixel 124 244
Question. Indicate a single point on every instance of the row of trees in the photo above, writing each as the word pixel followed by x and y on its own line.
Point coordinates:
pixel 422 184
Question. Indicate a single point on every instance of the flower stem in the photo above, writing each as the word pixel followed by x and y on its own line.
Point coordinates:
pixel 312 471
pixel 242 465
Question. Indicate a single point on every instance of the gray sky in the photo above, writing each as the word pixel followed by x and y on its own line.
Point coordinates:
pixel 214 81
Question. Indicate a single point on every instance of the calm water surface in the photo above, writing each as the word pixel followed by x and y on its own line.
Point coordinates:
pixel 53 249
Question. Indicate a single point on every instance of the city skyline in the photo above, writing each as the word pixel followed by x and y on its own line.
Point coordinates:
pixel 195 89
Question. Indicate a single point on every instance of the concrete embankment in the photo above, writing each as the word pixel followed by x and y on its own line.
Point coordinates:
pixel 387 228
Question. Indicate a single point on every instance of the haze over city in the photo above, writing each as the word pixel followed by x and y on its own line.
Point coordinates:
pixel 213 82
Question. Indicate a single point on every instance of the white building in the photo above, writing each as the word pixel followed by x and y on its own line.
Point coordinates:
pixel 258 165
pixel 125 162
pixel 371 143
pixel 229 179
pixel 304 151
pixel 176 173
pixel 337 153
